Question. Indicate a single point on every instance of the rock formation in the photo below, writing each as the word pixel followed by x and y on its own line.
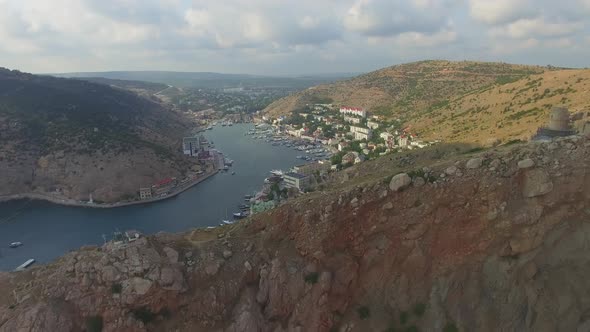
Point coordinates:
pixel 491 246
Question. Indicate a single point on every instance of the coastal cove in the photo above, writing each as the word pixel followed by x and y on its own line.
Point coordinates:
pixel 49 230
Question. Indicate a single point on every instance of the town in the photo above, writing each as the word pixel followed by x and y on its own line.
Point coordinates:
pixel 330 139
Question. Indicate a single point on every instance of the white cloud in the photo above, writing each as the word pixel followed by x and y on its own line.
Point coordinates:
pixel 270 36
pixel 526 28
pixel 500 11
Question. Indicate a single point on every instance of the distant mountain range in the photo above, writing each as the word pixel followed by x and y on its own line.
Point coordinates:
pixel 213 80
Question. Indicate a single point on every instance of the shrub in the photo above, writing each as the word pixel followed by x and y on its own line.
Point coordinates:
pixel 116 288
pixel 94 324
pixel 364 312
pixel 144 314
pixel 412 328
pixel 403 317
pixel 419 309
pixel 312 278
pixel 450 327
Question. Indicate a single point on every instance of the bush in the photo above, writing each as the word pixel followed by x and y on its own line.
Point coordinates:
pixel 94 324
pixel 412 328
pixel 364 312
pixel 116 288
pixel 403 317
pixel 144 314
pixel 312 278
pixel 450 327
pixel 419 309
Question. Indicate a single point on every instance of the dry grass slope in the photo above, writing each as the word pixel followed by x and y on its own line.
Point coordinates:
pixel 504 112
pixel 400 91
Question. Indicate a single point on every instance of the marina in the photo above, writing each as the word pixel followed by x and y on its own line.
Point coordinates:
pixel 50 230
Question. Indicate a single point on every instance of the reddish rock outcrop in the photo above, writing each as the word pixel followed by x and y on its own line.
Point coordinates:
pixel 492 248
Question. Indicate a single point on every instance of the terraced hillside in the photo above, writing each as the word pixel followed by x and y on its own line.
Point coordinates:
pixel 400 91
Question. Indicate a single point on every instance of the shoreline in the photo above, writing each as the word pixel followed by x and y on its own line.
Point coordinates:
pixel 75 203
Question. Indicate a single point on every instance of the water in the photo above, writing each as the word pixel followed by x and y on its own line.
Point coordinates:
pixel 49 230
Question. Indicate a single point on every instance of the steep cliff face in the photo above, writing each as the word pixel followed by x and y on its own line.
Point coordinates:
pixel 495 241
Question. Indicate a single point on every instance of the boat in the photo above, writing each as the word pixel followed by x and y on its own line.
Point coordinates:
pixel 24 265
pixel 227 222
pixel 233 173
pixel 277 172
pixel 15 244
pixel 225 168
pixel 240 215
pixel 247 196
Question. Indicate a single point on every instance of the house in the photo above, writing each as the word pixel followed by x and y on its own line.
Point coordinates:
pixel 145 193
pixel 360 133
pixel 372 124
pixel 191 146
pixel 352 119
pixel 296 180
pixel 404 141
pixel 353 111
pixel 164 186
pixel 350 157
pixel 342 146
pixel 386 136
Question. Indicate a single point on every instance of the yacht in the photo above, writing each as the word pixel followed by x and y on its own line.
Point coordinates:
pixel 15 244
pixel 240 215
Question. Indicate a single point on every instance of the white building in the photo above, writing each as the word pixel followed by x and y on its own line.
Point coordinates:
pixel 360 133
pixel 352 119
pixel 353 111
pixel 296 180
pixel 404 141
pixel 191 146
pixel 372 124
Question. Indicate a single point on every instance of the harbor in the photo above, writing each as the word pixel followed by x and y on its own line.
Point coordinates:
pixel 49 230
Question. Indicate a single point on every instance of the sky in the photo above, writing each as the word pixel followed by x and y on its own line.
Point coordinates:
pixel 287 37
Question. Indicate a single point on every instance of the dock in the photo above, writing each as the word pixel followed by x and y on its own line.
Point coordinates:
pixel 25 265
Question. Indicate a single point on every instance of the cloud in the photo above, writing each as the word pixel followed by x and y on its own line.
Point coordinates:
pixel 382 18
pixel 289 36
pixel 501 11
pixel 540 27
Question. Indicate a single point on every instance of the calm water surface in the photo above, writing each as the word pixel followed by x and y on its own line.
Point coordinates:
pixel 48 230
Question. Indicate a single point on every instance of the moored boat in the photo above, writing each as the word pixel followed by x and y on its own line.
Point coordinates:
pixel 15 244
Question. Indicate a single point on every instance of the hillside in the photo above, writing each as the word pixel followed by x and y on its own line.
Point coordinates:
pixel 493 241
pixel 145 88
pixel 76 138
pixel 399 91
pixel 208 80
pixel 504 112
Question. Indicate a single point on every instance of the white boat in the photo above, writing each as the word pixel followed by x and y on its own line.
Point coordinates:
pixel 277 172
pixel 227 222
pixel 15 244
pixel 25 265
pixel 240 215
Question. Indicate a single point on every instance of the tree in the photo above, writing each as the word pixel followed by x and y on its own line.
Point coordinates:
pixel 337 158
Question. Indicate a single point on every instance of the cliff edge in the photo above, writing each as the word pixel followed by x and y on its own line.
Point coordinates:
pixel 491 241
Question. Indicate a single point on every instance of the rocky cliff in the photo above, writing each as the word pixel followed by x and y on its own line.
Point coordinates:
pixel 484 242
